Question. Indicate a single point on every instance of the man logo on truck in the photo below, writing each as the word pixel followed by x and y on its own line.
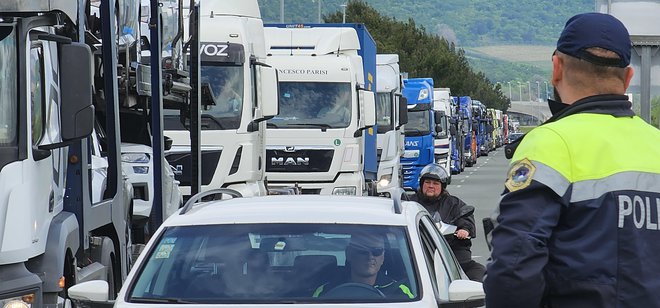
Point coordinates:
pixel 289 161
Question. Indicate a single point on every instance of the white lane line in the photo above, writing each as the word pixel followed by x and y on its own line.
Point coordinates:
pixel 458 186
pixel 462 181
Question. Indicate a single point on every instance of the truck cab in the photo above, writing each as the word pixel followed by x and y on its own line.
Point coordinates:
pixel 324 138
pixel 445 134
pixel 471 129
pixel 391 115
pixel 421 130
pixel 238 91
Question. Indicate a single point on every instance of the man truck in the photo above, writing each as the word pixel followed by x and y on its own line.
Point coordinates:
pixel 324 139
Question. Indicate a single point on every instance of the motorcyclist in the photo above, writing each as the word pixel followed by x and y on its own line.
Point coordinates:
pixel 443 207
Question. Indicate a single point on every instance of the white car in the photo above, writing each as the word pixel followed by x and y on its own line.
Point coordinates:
pixel 137 165
pixel 277 251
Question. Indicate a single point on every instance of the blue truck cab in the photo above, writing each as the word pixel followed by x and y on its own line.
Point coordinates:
pixel 420 130
pixel 458 140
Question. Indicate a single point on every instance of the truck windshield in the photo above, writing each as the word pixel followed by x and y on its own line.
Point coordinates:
pixel 226 85
pixel 384 112
pixel 419 123
pixel 8 86
pixel 313 105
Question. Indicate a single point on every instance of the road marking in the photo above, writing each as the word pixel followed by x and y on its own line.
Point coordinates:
pixel 470 173
pixel 467 176
pixel 458 186
pixel 462 181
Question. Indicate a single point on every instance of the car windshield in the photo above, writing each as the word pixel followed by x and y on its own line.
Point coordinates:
pixel 419 123
pixel 277 263
pixel 384 112
pixel 8 87
pixel 313 104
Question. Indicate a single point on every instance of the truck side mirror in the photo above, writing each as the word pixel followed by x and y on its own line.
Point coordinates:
pixel 438 128
pixel 268 92
pixel 167 143
pixel 452 130
pixel 403 111
pixel 77 111
pixel 438 115
pixel 369 103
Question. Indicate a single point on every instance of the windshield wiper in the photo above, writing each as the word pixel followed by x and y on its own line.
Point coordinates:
pixel 160 300
pixel 321 125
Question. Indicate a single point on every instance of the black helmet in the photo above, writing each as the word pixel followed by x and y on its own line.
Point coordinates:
pixel 435 172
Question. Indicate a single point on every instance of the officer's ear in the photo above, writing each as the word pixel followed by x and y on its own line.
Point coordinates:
pixel 629 75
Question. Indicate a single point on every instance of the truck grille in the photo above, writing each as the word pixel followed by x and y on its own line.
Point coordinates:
pixel 303 160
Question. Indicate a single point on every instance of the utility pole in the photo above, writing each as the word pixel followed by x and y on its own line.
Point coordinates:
pixel 538 90
pixel 509 82
pixel 281 11
pixel 344 9
pixel 529 90
pixel 547 94
pixel 320 2
pixel 520 86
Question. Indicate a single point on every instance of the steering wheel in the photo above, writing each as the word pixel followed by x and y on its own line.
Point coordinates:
pixel 354 290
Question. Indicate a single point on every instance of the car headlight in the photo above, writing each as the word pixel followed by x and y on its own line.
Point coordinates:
pixel 141 158
pixel 345 191
pixel 423 93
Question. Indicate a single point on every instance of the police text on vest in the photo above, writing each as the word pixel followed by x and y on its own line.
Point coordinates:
pixel 643 215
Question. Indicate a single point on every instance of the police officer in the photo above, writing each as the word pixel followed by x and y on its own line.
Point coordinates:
pixel 433 195
pixel 578 220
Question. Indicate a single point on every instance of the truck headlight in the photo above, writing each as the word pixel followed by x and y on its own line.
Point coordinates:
pixel 423 93
pixel 141 169
pixel 18 302
pixel 385 180
pixel 140 158
pixel 345 191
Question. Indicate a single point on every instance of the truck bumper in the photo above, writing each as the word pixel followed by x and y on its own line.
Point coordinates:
pixel 344 184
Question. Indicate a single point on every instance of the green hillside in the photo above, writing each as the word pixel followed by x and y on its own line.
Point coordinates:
pixel 507 41
pixel 466 23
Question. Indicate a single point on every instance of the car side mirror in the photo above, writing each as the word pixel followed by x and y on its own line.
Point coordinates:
pixel 92 293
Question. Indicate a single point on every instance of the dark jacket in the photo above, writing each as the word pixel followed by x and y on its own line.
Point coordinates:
pixel 453 211
pixel 577 223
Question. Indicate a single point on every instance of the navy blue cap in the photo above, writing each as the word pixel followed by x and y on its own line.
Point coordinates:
pixel 588 30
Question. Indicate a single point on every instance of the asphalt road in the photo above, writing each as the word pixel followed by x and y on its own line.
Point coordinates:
pixel 481 186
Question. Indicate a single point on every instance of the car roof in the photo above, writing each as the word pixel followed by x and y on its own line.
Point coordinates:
pixel 298 209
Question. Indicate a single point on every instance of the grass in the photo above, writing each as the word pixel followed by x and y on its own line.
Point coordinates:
pixel 525 129
pixel 532 54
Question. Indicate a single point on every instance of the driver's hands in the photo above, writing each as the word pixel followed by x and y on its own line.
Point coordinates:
pixel 462 234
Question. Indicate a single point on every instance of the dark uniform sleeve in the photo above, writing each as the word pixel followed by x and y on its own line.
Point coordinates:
pixel 529 210
pixel 515 274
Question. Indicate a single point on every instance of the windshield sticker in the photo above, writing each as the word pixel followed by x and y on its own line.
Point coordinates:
pixel 164 251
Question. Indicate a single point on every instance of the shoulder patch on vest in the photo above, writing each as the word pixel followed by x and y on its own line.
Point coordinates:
pixel 520 175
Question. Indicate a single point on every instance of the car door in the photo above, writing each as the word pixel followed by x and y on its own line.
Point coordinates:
pixel 435 245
